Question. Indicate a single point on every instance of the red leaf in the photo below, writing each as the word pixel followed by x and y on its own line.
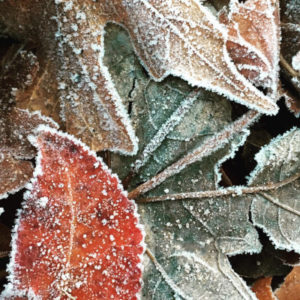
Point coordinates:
pixel 78 234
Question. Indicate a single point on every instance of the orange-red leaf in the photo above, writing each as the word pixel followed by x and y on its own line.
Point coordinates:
pixel 78 234
pixel 262 289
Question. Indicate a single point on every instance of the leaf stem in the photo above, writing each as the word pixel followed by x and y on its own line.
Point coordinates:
pixel 209 146
pixel 287 67
pixel 230 191
pixel 279 204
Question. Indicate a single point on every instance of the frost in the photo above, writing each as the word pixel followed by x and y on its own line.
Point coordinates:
pixel 275 162
pixel 200 57
pixel 42 202
pixel 1 210
pixel 208 229
pixel 62 183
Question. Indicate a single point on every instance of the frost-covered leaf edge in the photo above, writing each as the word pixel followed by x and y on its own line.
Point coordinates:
pixel 9 288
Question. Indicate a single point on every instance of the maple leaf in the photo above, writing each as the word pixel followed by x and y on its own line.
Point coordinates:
pixel 15 124
pixel 77 234
pixel 168 129
pixel 276 212
pixel 177 39
pixel 181 149
pixel 253 40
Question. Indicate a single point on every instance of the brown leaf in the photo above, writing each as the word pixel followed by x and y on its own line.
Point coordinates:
pixel 14 174
pixel 253 40
pixel 18 69
pixel 182 38
pixel 262 289
pixel 290 289
pixel 70 54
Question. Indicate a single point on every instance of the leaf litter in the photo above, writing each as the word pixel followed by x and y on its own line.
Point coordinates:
pixel 189 240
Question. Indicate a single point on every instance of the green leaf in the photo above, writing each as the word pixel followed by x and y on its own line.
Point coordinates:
pixel 190 240
pixel 276 162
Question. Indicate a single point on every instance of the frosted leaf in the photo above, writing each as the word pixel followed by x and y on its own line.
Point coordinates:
pixel 14 174
pixel 253 40
pixel 193 260
pixel 74 85
pixel 191 239
pixel 61 247
pixel 185 39
pixel 19 67
pixel 275 162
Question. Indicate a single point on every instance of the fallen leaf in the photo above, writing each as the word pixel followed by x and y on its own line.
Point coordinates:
pixel 71 71
pixel 290 289
pixel 277 211
pixel 18 69
pixel 170 37
pixel 77 234
pixel 253 40
pixel 171 120
pixel 262 289
pixel 185 39
pixel 189 241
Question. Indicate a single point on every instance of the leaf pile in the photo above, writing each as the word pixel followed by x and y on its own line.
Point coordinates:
pixel 159 92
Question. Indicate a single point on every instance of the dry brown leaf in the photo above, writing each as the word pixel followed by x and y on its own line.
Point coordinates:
pixel 253 40
pixel 172 37
pixel 185 39
pixel 18 69
pixel 69 36
pixel 14 174
pixel 290 289
pixel 262 289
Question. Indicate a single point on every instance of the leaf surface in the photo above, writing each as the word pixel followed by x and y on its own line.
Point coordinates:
pixel 185 39
pixel 189 240
pixel 276 162
pixel 262 289
pixel 77 234
pixel 18 69
pixel 290 289
pixel 72 81
pixel 170 37
pixel 253 40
